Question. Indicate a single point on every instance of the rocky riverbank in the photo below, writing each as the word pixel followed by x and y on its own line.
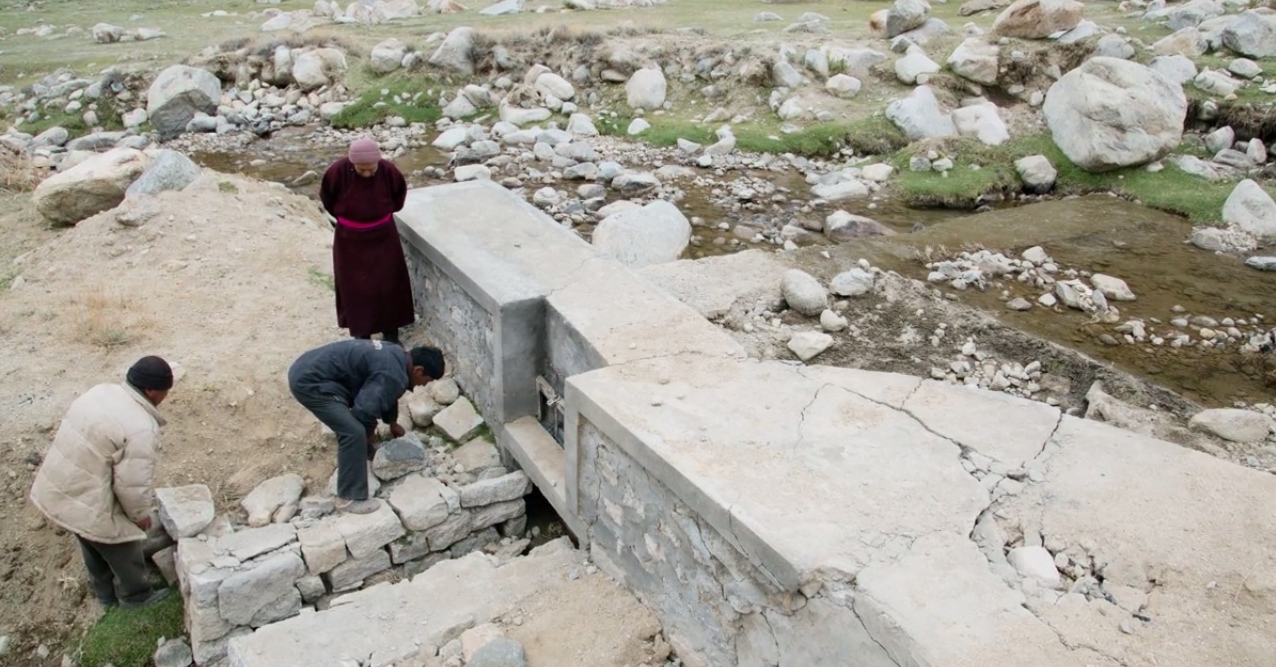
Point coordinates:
pixel 803 133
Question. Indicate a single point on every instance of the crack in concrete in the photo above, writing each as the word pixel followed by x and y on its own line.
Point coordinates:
pixel 1049 438
pixel 885 651
pixel 567 277
pixel 802 417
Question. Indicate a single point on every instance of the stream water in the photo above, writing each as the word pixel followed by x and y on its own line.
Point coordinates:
pixel 1097 233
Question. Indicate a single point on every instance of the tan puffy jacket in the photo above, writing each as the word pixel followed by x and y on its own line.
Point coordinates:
pixel 96 477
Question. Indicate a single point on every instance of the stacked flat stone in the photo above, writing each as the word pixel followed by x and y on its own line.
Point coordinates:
pixel 233 582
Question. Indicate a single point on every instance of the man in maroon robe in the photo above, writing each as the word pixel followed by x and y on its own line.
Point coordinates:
pixel 363 191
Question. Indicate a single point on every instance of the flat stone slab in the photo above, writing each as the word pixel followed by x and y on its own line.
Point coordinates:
pixel 185 510
pixel 459 421
pixel 272 494
pixel 421 502
pixel 365 533
pixel 477 455
pixel 390 623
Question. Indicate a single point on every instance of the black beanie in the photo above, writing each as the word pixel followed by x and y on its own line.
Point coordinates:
pixel 151 373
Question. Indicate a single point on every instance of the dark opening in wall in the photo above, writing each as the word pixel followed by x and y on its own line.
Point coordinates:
pixel 543 523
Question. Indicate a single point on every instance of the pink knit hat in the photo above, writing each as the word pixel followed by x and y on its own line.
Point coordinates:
pixel 364 151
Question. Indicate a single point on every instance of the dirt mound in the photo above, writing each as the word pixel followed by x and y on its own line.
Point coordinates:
pixel 230 281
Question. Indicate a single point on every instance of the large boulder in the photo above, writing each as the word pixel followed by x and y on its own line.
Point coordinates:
pixel 1176 68
pixel 1252 34
pixel 318 68
pixel 1232 424
pixel 646 89
pixel 170 170
pixel 387 56
pixel 90 187
pixel 906 15
pixel 975 59
pixel 914 65
pixel 919 116
pixel 637 237
pixel 1250 208
pixel 1111 113
pixel 982 121
pixel 1038 19
pixel 454 52
pixel 177 94
pixel 105 33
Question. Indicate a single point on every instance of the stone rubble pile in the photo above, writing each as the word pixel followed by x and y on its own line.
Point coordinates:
pixel 1059 288
pixel 293 555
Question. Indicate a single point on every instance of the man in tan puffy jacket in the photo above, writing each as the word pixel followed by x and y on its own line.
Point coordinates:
pixel 96 480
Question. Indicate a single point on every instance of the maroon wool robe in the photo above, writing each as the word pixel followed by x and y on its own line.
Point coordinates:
pixel 374 294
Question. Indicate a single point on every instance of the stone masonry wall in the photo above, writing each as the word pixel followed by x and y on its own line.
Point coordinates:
pixel 233 581
pixel 651 540
pixel 458 324
pixel 715 605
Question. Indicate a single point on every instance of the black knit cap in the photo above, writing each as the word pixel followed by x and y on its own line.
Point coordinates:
pixel 151 373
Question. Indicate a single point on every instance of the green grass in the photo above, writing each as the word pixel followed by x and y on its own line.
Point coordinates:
pixel 870 135
pixel 320 279
pixel 418 103
pixel 1169 190
pixel 127 637
pixel 108 119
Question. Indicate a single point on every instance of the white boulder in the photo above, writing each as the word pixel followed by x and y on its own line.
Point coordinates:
pixel 177 94
pixel 387 56
pixel 90 187
pixel 1251 209
pixel 646 89
pixel 654 234
pixel 1111 113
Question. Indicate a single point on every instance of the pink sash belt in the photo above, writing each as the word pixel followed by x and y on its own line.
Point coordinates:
pixel 351 224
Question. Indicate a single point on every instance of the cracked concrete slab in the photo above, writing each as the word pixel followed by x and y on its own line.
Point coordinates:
pixel 1194 532
pixel 1007 428
pixel 805 477
pixel 889 388
pixel 940 605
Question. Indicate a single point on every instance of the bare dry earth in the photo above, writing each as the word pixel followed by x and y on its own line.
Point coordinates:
pixel 227 285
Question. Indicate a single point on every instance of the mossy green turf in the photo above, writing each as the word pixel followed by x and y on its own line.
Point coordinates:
pixel 129 637
pixel 1169 189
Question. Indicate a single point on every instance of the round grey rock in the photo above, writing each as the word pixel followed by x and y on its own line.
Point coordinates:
pixel 501 652
pixel 803 293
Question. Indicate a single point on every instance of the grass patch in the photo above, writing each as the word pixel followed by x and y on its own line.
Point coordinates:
pixel 1169 190
pixel 871 135
pixel 417 102
pixel 127 637
pixel 320 279
pixel 108 119
pixel 108 320
pixel 227 187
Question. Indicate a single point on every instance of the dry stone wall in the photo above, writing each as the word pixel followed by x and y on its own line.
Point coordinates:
pixel 437 503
